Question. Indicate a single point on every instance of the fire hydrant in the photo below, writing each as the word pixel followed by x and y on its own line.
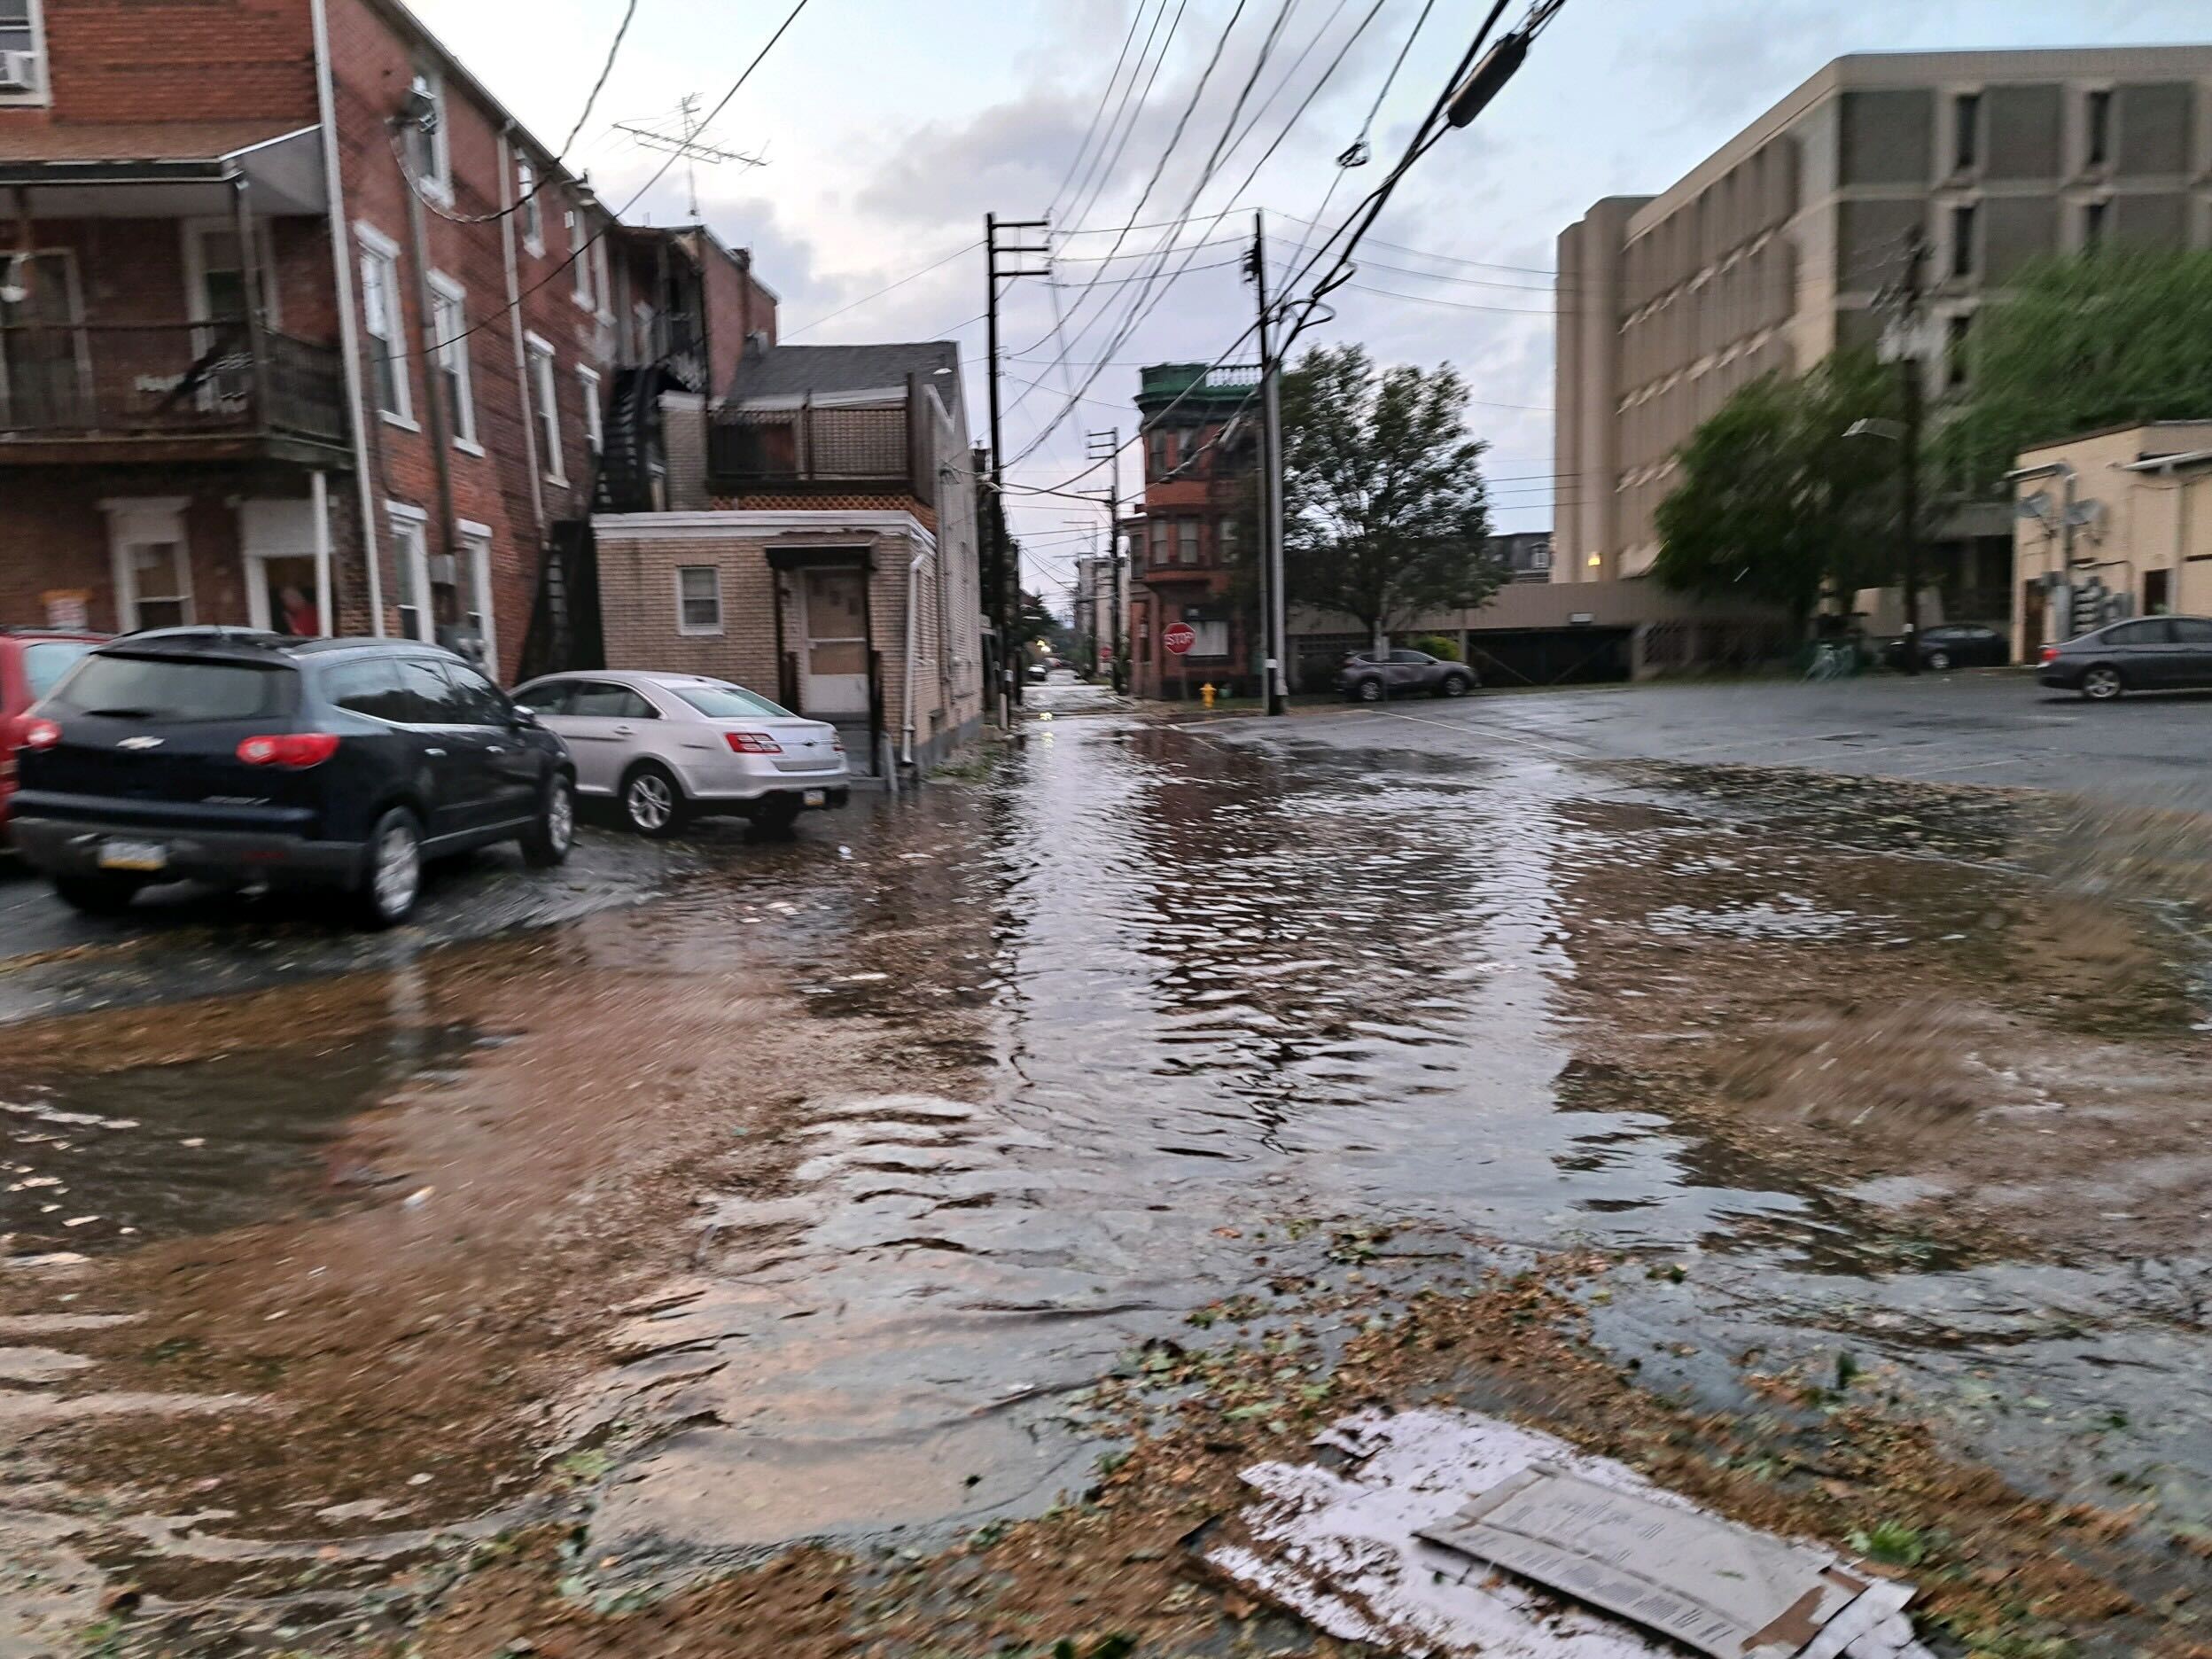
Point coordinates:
pixel 1206 694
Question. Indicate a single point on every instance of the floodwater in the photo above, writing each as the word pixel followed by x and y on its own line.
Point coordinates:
pixel 1135 1010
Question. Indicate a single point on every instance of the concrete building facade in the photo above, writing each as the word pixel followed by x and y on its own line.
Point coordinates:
pixel 1773 252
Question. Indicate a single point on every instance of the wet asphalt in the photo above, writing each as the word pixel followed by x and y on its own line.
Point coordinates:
pixel 1211 981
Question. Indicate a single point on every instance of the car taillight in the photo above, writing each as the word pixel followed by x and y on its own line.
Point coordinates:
pixel 751 743
pixel 294 750
pixel 41 734
pixel 2050 653
pixel 837 743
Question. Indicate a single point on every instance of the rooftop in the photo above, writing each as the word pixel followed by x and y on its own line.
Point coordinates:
pixel 1207 388
pixel 795 371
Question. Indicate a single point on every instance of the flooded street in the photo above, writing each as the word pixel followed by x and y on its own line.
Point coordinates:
pixel 840 1191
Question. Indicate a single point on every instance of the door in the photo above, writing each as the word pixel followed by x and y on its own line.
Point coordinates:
pixel 606 725
pixel 835 626
pixel 282 595
pixel 1408 672
pixel 2158 592
pixel 2193 651
pixel 215 275
pixel 2144 652
pixel 2034 624
pixel 455 768
pixel 45 356
pixel 511 764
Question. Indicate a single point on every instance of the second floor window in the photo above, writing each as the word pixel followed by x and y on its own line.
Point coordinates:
pixel 1966 130
pixel 595 417
pixel 531 208
pixel 20 33
pixel 583 261
pixel 381 324
pixel 1225 540
pixel 1187 540
pixel 449 331
pixel 1159 543
pixel 545 407
pixel 2098 121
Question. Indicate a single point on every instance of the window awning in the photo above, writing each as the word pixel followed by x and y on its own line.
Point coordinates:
pixel 126 171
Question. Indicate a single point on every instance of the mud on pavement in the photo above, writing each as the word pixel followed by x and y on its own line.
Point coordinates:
pixel 900 1246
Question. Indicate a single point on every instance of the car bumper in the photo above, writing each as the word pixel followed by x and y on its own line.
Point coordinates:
pixel 67 847
pixel 833 797
pixel 2059 679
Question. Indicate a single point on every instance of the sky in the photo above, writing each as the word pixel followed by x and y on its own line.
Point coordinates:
pixel 886 130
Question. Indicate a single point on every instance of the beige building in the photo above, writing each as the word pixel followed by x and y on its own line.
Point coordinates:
pixel 1772 251
pixel 2110 524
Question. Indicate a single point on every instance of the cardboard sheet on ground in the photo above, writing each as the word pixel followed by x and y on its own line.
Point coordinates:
pixel 1381 1550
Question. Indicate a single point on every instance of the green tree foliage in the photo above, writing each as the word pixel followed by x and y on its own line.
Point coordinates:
pixel 1384 508
pixel 1775 503
pixel 2114 339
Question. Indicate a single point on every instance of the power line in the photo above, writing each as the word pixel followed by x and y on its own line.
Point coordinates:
pixel 911 277
pixel 1135 17
pixel 1104 174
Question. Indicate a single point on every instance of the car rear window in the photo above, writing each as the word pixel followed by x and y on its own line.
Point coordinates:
pixel 45 662
pixel 718 701
pixel 175 688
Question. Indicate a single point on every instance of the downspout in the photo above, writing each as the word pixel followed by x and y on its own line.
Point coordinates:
pixel 348 323
pixel 913 624
pixel 434 392
pixel 514 318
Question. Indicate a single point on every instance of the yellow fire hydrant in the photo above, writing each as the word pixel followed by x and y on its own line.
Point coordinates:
pixel 1206 694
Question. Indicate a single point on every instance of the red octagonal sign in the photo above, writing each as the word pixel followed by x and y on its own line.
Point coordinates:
pixel 1179 637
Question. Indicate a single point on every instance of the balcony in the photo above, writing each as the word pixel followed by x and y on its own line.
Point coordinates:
pixel 157 392
pixel 811 449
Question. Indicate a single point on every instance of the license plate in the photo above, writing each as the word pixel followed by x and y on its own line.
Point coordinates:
pixel 815 798
pixel 133 855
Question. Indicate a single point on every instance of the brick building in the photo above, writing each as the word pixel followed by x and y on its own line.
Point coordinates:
pixel 300 329
pixel 820 546
pixel 1189 546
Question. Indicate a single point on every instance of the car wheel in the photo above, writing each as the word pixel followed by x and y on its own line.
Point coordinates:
pixel 548 840
pixel 1939 662
pixel 1369 691
pixel 652 801
pixel 2103 684
pixel 1455 686
pixel 393 881
pixel 98 895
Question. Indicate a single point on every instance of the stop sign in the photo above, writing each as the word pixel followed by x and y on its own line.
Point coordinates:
pixel 1179 638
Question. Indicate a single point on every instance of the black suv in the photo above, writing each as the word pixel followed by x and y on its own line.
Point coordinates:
pixel 223 755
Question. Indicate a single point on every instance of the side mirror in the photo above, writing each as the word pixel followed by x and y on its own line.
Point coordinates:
pixel 526 718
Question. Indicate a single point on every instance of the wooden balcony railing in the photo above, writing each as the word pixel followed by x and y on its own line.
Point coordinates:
pixel 166 380
pixel 824 450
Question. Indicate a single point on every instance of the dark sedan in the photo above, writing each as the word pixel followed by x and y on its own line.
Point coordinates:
pixel 2167 653
pixel 1378 676
pixel 1956 645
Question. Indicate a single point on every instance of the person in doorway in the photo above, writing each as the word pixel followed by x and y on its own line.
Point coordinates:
pixel 301 620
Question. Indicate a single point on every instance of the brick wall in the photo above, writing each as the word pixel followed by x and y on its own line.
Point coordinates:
pixel 198 60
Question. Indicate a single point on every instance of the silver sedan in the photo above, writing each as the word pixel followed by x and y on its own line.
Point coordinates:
pixel 670 746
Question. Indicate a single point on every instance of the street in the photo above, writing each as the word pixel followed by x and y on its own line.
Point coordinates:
pixel 946 1203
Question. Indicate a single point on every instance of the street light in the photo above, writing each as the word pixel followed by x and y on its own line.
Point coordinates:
pixel 1899 433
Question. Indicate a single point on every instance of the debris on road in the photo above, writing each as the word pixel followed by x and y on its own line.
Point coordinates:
pixel 1404 1549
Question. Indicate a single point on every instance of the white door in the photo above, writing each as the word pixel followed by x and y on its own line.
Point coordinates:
pixel 835 626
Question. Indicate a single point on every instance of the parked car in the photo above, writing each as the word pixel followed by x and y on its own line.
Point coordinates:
pixel 238 758
pixel 668 746
pixel 1956 645
pixel 1369 677
pixel 2167 653
pixel 31 661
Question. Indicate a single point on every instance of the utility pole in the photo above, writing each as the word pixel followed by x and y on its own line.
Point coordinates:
pixel 1001 552
pixel 1914 390
pixel 1106 446
pixel 1273 612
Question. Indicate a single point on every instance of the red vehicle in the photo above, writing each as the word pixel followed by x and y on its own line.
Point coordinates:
pixel 31 660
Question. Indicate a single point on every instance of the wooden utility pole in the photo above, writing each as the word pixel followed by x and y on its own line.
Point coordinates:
pixel 1106 446
pixel 1009 577
pixel 1274 610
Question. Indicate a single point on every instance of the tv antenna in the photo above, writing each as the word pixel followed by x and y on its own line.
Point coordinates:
pixel 687 144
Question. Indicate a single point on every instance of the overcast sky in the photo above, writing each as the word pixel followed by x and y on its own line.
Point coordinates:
pixel 891 127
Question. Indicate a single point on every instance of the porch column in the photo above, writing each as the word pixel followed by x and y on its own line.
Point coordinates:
pixel 319 495
pixel 256 317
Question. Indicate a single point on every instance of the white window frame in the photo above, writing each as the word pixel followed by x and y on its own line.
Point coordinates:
pixel 378 249
pixel 530 197
pixel 476 554
pixel 41 95
pixel 133 521
pixel 580 262
pixel 439 183
pixel 543 382
pixel 413 523
pixel 196 232
pixel 453 355
pixel 595 417
pixel 689 630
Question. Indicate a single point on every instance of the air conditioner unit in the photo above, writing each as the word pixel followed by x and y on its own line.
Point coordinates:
pixel 18 72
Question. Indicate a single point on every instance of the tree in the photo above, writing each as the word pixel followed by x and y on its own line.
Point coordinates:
pixel 2112 338
pixel 1384 508
pixel 1034 624
pixel 1775 503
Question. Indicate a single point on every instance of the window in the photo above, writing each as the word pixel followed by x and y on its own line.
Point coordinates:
pixel 431 698
pixel 478 700
pixel 186 690
pixel 429 155
pixel 582 261
pixel 545 408
pixel 720 701
pixel 1959 337
pixel 2190 630
pixel 2098 120
pixel 411 568
pixel 698 599
pixel 1412 658
pixel 594 415
pixel 449 325
pixel 1968 116
pixel 1962 240
pixel 380 320
pixel 1225 536
pixel 161 585
pixel 2096 221
pixel 1159 542
pixel 45 662
pixel 2160 633
pixel 152 562
pixel 597 699
pixel 532 209
pixel 1213 639
pixel 22 30
pixel 1187 540
pixel 370 688
pixel 1166 451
